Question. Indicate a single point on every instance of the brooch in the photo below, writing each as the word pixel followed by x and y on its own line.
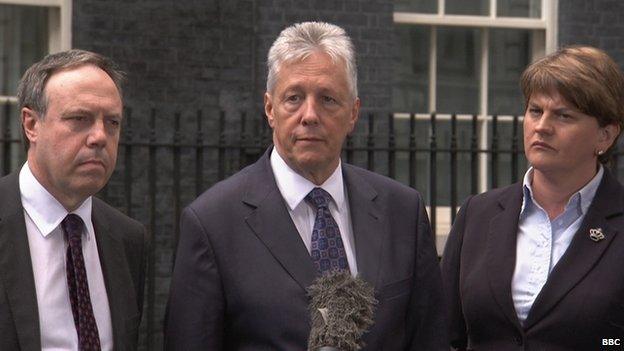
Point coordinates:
pixel 596 234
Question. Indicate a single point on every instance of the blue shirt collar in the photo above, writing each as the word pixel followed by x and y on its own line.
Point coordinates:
pixel 581 200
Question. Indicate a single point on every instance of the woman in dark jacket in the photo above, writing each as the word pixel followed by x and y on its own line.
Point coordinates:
pixel 539 265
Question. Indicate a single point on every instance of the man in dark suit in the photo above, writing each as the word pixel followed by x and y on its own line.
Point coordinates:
pixel 252 244
pixel 71 267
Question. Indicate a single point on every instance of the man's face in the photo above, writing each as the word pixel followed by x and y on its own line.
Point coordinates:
pixel 73 149
pixel 311 111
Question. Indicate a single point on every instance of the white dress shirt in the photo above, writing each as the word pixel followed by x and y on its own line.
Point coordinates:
pixel 48 249
pixel 541 242
pixel 294 189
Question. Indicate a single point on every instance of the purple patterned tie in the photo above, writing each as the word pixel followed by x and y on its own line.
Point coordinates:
pixel 86 327
pixel 326 249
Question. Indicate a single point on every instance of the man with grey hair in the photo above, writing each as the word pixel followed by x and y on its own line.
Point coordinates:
pixel 71 267
pixel 251 245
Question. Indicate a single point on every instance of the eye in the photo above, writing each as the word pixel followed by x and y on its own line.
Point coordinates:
pixel 329 100
pixel 114 121
pixel 77 118
pixel 293 98
pixel 534 111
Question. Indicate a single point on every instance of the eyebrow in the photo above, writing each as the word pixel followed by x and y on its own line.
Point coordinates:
pixel 75 111
pixel 294 87
pixel 563 110
pixel 558 110
pixel 72 111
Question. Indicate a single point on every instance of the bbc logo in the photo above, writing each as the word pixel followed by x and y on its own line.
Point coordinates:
pixel 611 342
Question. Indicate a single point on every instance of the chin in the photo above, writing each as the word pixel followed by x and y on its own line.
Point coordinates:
pixel 554 168
pixel 309 163
pixel 540 161
pixel 89 186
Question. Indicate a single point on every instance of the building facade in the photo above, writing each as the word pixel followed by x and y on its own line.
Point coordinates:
pixel 208 57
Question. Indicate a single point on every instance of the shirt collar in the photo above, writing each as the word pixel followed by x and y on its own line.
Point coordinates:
pixel 295 187
pixel 45 210
pixel 588 192
pixel 582 198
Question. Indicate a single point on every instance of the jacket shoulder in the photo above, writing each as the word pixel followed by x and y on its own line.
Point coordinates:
pixel 10 198
pixel 495 195
pixel 381 183
pixel 225 192
pixel 116 217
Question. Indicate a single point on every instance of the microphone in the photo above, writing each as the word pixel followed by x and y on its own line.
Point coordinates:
pixel 341 309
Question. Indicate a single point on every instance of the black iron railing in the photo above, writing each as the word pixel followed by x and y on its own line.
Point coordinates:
pixel 166 161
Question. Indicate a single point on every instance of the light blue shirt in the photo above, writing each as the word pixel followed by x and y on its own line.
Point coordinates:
pixel 541 242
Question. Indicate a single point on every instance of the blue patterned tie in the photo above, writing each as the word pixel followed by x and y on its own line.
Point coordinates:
pixel 86 327
pixel 326 249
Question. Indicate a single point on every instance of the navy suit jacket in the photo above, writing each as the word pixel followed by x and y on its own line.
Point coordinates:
pixel 582 300
pixel 121 245
pixel 241 272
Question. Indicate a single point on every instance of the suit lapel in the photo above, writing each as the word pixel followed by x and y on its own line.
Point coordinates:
pixel 272 224
pixel 583 253
pixel 501 249
pixel 367 224
pixel 114 268
pixel 16 266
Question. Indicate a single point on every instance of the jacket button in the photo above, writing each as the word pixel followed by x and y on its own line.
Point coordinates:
pixel 518 340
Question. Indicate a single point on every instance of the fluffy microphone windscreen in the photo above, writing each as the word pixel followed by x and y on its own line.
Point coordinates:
pixel 342 309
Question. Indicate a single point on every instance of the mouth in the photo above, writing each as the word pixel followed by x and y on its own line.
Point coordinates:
pixel 542 145
pixel 309 139
pixel 93 162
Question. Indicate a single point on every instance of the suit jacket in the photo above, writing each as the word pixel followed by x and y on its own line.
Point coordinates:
pixel 121 245
pixel 582 300
pixel 241 272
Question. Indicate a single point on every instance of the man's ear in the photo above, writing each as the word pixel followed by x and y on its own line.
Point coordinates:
pixel 355 114
pixel 30 124
pixel 268 108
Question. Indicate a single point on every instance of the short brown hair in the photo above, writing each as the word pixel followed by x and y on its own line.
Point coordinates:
pixel 31 89
pixel 586 77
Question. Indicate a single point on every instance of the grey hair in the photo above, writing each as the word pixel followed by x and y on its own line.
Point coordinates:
pixel 300 40
pixel 31 89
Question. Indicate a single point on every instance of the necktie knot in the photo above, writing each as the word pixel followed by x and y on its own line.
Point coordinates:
pixel 73 226
pixel 318 198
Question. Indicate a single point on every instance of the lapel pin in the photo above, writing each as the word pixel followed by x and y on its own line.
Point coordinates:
pixel 596 234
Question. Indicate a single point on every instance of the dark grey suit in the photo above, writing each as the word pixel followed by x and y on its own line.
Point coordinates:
pixel 242 269
pixel 582 300
pixel 121 245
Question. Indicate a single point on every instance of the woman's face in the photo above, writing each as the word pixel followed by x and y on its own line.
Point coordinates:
pixel 559 139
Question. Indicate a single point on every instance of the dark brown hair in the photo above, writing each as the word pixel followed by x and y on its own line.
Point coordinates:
pixel 584 76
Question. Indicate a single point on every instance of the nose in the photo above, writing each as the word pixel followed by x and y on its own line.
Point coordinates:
pixel 97 134
pixel 544 124
pixel 310 113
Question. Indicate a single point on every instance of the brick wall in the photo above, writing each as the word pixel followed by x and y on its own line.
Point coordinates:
pixel 369 23
pixel 598 23
pixel 186 55
pixel 180 56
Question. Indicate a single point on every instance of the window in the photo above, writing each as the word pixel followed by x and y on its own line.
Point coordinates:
pixel 466 57
pixel 29 29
